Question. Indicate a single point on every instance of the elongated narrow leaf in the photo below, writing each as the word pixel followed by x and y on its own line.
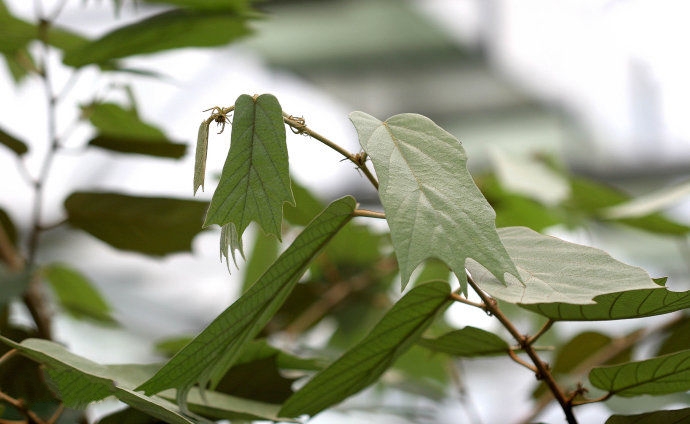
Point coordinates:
pixel 554 270
pixel 151 225
pixel 141 146
pixel 216 348
pixel 650 203
pixel 256 179
pixel 200 156
pixel 467 342
pixel 13 143
pixel 76 294
pixel 362 365
pixel 168 30
pixel 432 205
pixel 79 381
pixel 656 376
pixel 619 305
pixel 676 416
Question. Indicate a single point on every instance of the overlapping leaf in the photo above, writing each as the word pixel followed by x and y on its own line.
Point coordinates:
pixel 556 271
pixel 76 294
pixel 433 207
pixel 467 342
pixel 362 365
pixel 255 181
pixel 216 348
pixel 168 30
pixel 656 376
pixel 675 416
pixel 151 225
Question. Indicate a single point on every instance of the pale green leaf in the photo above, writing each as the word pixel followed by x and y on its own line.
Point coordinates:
pixel 216 348
pixel 363 364
pixel 200 156
pixel 620 305
pixel 676 416
pixel 467 342
pixel 650 203
pixel 656 376
pixel 255 181
pixel 554 270
pixel 168 30
pixel 432 205
pixel 150 225
pixel 76 294
pixel 230 242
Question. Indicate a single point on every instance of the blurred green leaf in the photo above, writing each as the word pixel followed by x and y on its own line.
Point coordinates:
pixel 424 373
pixel 121 130
pixel 619 305
pixel 232 5
pixel 650 203
pixel 306 207
pixel 216 348
pixel 656 376
pixel 13 143
pixel 8 227
pixel 76 294
pixel 19 63
pixel 129 416
pixel 554 270
pixel 677 339
pixel 14 33
pixel 362 365
pixel 467 342
pixel 264 252
pixel 433 269
pixel 168 30
pixel 255 181
pixel 21 377
pixel 433 207
pixel 677 416
pixel 259 379
pixel 150 225
pixel 13 284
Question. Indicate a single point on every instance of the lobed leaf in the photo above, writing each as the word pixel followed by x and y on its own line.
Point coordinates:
pixel 150 225
pixel 467 342
pixel 656 376
pixel 255 181
pixel 168 30
pixel 216 348
pixel 76 294
pixel 553 270
pixel 676 416
pixel 362 365
pixel 432 205
pixel 620 305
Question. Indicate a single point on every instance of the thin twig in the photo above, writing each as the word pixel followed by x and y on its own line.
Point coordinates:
pixel 8 355
pixel 517 359
pixel 299 127
pixel 19 405
pixel 542 369
pixel 56 415
pixel 541 331
pixel 460 299
pixel 368 213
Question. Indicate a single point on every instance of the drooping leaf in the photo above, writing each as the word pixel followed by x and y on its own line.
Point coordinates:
pixel 76 294
pixel 150 225
pixel 79 381
pixel 620 305
pixel 13 143
pixel 122 130
pixel 656 376
pixel 172 29
pixel 433 207
pixel 467 342
pixel 554 270
pixel 255 181
pixel 675 416
pixel 200 156
pixel 362 365
pixel 216 348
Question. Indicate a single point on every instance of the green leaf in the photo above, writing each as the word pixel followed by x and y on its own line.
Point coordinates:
pixel 467 342
pixel 200 156
pixel 216 348
pixel 264 252
pixel 554 270
pixel 7 225
pixel 306 207
pixel 168 30
pixel 676 416
pixel 13 284
pixel 237 5
pixel 433 270
pixel 432 205
pixel 14 33
pixel 76 294
pixel 259 379
pixel 656 376
pixel 255 181
pixel 230 242
pixel 619 305
pixel 677 338
pixel 150 225
pixel 362 365
pixel 121 130
pixel 13 143
pixel 650 203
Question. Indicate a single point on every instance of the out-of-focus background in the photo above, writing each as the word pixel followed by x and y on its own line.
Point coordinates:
pixel 600 84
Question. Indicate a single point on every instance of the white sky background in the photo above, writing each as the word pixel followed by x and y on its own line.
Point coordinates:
pixel 622 66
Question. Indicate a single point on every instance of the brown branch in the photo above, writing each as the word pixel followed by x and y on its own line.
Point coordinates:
pixel 542 368
pixel 19 405
pixel 456 297
pixel 299 127
pixel 542 330
pixel 368 213
pixel 525 364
